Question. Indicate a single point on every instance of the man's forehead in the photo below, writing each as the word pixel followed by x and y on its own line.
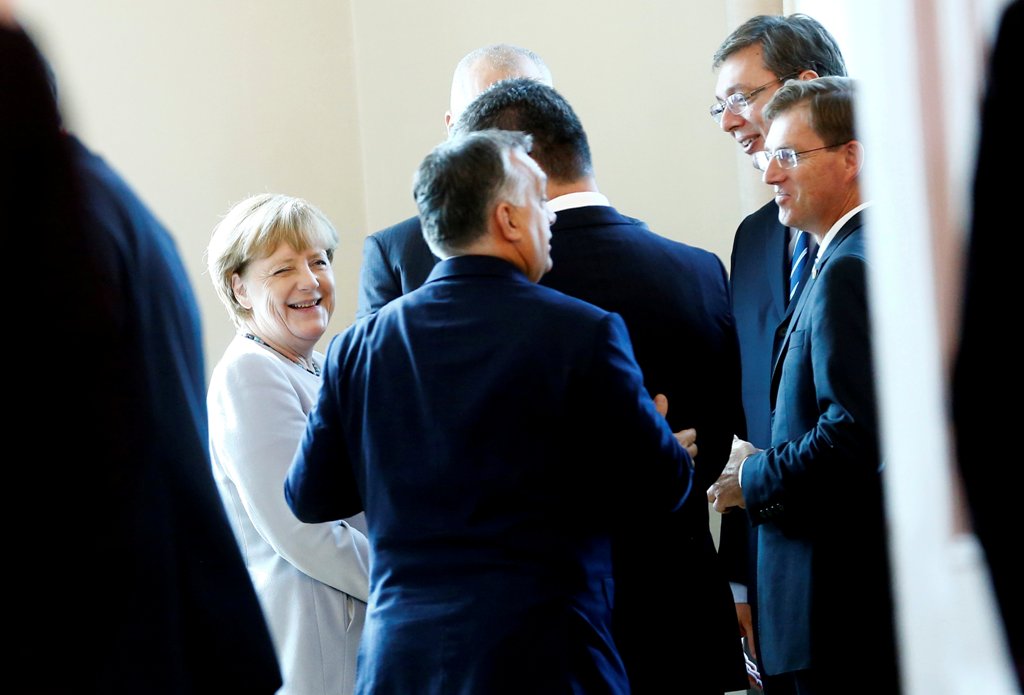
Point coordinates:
pixel 742 71
pixel 787 128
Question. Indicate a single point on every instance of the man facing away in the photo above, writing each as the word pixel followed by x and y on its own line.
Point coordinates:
pixel 752 64
pixel 129 578
pixel 397 260
pixel 815 494
pixel 492 487
pixel 674 300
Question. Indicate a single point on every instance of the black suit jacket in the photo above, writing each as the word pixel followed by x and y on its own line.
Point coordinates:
pixel 815 495
pixel 985 356
pixel 396 261
pixel 674 299
pixel 128 578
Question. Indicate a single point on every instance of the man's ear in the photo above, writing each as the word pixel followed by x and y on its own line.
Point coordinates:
pixel 807 75
pixel 241 293
pixel 506 216
pixel 854 157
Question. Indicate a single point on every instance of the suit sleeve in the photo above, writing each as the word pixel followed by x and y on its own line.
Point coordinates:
pixel 841 449
pixel 378 283
pixel 321 485
pixel 254 433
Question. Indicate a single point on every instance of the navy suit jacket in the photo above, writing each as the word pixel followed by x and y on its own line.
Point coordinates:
pixel 396 261
pixel 759 278
pixel 815 495
pixel 494 431
pixel 674 299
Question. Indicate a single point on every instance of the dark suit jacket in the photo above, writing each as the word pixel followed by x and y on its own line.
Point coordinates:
pixel 396 261
pixel 495 432
pixel 190 618
pixel 132 574
pixel 985 356
pixel 759 279
pixel 816 496
pixel 674 299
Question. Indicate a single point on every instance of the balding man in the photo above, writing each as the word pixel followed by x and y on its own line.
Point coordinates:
pixel 397 260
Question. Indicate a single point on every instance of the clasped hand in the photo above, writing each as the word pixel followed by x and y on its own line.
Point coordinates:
pixel 726 493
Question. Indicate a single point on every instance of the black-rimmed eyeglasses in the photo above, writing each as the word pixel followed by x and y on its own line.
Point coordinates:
pixel 786 156
pixel 739 102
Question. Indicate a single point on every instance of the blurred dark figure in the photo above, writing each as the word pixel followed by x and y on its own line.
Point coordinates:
pixel 987 357
pixel 127 578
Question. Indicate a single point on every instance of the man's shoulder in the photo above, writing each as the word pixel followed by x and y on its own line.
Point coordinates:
pixel 693 257
pixel 641 234
pixel 763 220
pixel 401 232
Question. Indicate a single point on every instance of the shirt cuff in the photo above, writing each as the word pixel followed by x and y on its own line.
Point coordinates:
pixel 739 592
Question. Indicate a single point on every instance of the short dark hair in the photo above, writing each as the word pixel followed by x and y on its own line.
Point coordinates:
pixel 789 45
pixel 560 144
pixel 462 180
pixel 830 101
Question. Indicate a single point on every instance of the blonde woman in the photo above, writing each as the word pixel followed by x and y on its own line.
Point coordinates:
pixel 270 262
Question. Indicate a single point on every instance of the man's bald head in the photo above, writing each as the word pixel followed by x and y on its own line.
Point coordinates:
pixel 481 68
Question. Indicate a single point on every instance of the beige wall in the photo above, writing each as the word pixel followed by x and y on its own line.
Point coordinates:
pixel 199 104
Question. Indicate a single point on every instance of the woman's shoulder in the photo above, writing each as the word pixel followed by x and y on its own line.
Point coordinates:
pixel 245 360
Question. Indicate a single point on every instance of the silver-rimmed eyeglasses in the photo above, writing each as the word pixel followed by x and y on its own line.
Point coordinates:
pixel 787 157
pixel 739 102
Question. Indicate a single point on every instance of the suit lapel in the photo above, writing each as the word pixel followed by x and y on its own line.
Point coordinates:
pixel 776 252
pixel 796 308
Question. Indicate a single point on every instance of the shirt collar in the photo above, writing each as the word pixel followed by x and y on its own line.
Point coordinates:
pixel 827 239
pixel 577 200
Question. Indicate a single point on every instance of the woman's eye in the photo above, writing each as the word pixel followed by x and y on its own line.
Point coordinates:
pixel 281 271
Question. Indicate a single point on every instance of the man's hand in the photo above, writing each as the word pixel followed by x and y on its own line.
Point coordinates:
pixel 726 492
pixel 686 438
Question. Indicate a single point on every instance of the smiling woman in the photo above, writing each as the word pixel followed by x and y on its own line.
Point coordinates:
pixel 270 261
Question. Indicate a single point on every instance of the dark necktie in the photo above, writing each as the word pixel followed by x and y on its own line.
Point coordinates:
pixel 801 261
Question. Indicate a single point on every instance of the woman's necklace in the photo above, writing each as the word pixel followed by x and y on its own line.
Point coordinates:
pixel 315 371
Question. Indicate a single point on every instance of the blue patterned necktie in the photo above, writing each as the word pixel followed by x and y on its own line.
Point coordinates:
pixel 800 262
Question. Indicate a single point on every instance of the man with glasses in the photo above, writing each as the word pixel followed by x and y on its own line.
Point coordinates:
pixel 815 494
pixel 752 63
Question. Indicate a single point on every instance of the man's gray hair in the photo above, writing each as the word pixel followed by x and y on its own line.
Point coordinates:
pixel 460 182
pixel 789 45
pixel 505 58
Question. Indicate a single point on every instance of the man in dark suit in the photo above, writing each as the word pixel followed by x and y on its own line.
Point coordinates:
pixel 396 260
pixel 521 437
pixel 985 357
pixel 674 300
pixel 815 494
pixel 752 63
pixel 133 582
